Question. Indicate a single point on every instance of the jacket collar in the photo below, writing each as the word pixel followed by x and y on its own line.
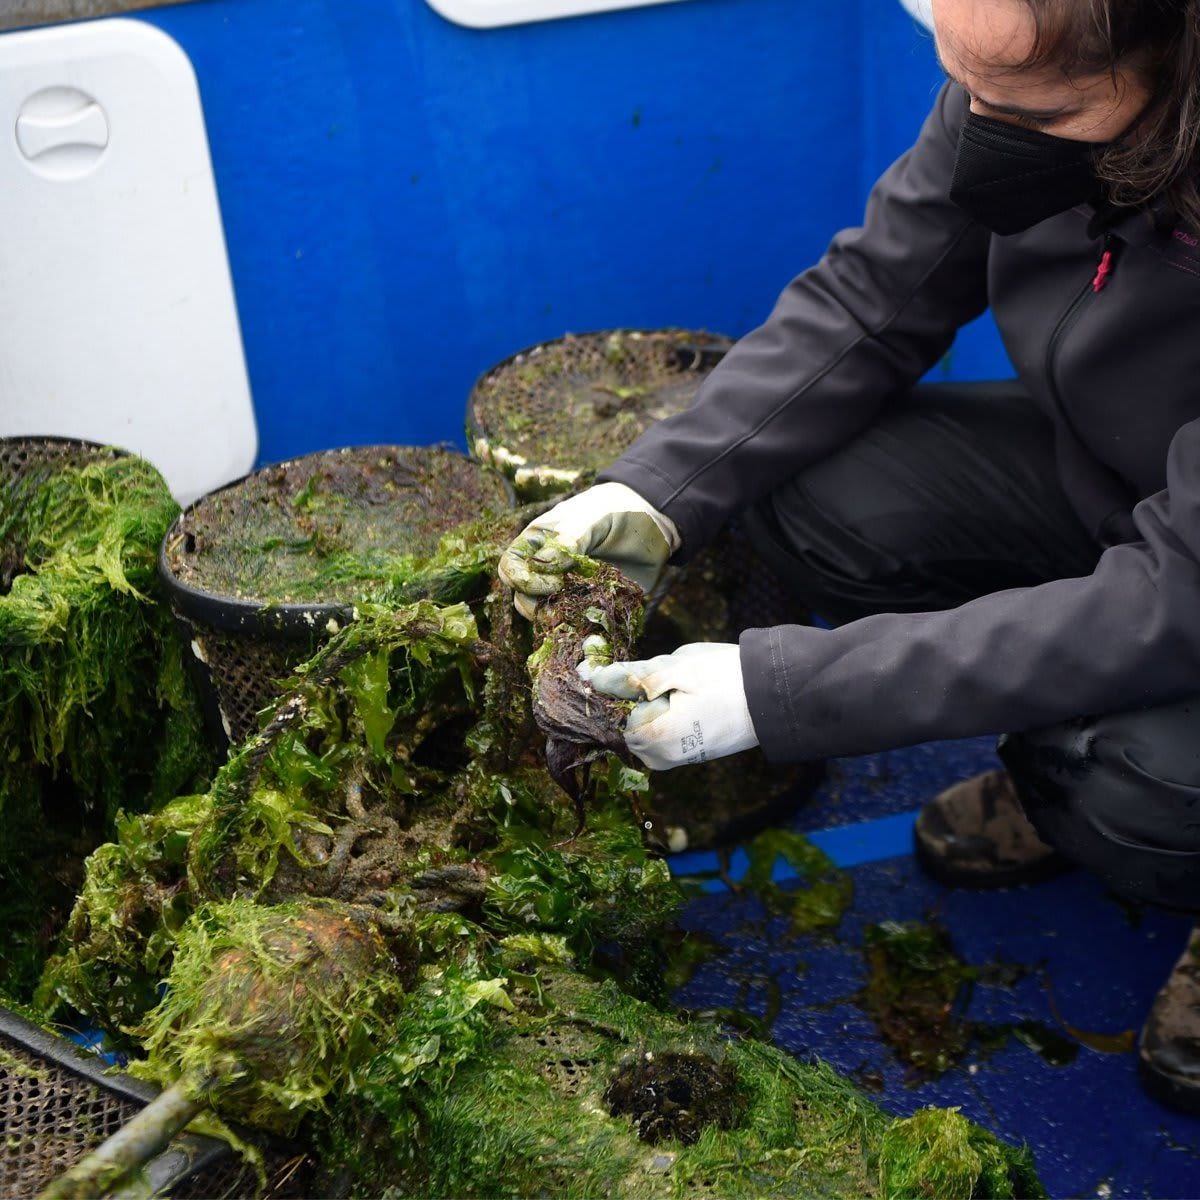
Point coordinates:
pixel 1134 226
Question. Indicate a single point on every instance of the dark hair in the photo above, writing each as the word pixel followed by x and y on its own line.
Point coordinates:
pixel 1159 155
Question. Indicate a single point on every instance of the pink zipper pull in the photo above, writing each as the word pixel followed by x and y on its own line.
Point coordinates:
pixel 1103 271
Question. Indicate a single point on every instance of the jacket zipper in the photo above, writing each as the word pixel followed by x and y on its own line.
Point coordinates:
pixel 1103 268
pixel 1093 287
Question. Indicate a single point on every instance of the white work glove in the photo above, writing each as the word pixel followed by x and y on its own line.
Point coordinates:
pixel 610 522
pixel 693 704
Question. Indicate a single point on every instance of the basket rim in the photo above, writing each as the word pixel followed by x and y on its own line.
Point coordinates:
pixel 59 439
pixel 475 431
pixel 64 1053
pixel 285 619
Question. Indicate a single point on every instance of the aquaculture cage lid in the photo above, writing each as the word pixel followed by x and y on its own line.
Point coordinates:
pixel 572 405
pixel 219 609
pixel 232 615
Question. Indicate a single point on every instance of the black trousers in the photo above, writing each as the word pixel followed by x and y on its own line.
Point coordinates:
pixel 951 495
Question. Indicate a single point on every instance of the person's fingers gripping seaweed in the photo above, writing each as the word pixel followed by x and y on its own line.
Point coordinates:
pixel 610 522
pixel 692 703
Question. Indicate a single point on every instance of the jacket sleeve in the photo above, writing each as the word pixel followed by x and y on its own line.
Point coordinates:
pixel 1126 636
pixel 878 310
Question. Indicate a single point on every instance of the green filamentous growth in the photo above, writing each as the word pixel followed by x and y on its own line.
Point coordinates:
pixel 617 1098
pixel 96 714
pixel 938 1152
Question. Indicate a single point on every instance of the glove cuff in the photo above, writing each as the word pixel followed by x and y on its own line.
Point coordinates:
pixel 620 497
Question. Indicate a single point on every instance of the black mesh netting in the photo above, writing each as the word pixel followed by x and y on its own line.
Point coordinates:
pixel 49 1117
pixel 56 1105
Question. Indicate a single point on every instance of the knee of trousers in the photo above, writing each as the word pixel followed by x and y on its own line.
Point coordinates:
pixel 821 561
pixel 1119 795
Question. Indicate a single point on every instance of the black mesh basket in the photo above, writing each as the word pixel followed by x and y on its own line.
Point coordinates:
pixel 58 1104
pixel 555 414
pixel 245 634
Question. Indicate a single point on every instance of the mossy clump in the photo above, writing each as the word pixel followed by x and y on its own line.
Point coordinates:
pixel 269 1010
pixel 96 713
pixel 596 606
pixel 939 1154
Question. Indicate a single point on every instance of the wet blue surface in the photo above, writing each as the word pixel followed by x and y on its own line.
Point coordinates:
pixel 1099 963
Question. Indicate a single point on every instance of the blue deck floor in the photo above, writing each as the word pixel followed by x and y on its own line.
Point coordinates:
pixel 1092 1130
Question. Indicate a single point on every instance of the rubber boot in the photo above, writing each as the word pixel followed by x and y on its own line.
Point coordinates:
pixel 976 835
pixel 1169 1050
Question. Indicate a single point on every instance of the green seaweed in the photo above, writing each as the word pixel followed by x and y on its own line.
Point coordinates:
pixel 938 1153
pixel 350 734
pixel 742 1120
pixel 96 713
pixel 134 900
pixel 917 991
pixel 823 894
pixel 90 666
pixel 375 930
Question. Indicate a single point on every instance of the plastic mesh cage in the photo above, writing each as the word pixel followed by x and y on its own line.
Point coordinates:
pixel 57 1104
pixel 553 415
pixel 241 565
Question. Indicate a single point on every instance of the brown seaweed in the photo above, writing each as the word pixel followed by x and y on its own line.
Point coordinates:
pixel 580 724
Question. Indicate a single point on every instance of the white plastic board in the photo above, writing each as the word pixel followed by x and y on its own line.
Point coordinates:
pixel 117 316
pixel 485 14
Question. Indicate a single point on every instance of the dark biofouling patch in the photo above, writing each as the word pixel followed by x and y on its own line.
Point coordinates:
pixel 674 1096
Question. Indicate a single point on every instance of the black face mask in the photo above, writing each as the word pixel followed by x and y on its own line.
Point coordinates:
pixel 1009 178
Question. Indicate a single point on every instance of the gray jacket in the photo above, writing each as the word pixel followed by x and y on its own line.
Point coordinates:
pixel 1118 372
